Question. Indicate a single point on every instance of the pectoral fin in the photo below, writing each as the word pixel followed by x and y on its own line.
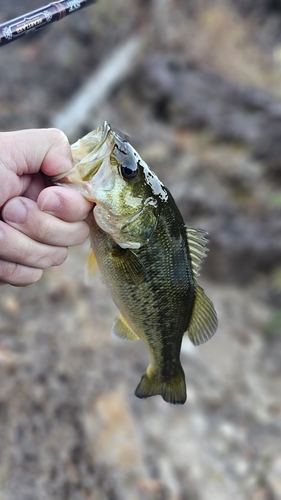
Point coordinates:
pixel 128 265
pixel 204 321
pixel 122 330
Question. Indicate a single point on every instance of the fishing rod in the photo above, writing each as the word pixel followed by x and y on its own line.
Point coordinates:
pixel 38 19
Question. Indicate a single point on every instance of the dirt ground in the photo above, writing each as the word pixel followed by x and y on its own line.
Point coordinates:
pixel 202 106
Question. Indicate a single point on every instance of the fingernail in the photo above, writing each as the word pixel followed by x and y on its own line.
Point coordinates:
pixel 52 203
pixel 15 211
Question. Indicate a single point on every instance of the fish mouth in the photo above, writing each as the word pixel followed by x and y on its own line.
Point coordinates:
pixel 113 137
pixel 95 147
pixel 112 133
pixel 105 130
pixel 92 155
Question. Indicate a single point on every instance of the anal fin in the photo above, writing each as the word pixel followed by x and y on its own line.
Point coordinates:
pixel 204 321
pixel 122 330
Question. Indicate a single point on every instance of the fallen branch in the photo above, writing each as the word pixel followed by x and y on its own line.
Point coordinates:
pixel 91 96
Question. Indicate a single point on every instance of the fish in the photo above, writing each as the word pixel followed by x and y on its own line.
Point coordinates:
pixel 148 258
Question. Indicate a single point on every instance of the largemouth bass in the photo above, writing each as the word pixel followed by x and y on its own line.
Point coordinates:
pixel 147 257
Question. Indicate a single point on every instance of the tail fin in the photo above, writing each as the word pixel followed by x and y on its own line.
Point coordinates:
pixel 172 391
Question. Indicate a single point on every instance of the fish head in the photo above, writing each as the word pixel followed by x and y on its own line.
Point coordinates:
pixel 127 194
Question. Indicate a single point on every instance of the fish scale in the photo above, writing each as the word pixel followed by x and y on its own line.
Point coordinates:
pixel 148 258
pixel 162 315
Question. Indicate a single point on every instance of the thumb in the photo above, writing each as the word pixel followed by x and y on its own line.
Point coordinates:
pixel 28 151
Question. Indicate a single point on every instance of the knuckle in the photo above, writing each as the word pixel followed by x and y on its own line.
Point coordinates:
pixel 53 256
pixel 45 232
pixel 86 230
pixel 81 233
pixel 60 256
pixel 26 254
pixel 57 136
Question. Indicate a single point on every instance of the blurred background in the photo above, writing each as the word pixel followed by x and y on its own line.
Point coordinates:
pixel 197 86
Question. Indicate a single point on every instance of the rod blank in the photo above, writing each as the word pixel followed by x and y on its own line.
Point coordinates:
pixel 37 19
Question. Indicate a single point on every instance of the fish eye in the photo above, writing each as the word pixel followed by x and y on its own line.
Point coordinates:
pixel 129 169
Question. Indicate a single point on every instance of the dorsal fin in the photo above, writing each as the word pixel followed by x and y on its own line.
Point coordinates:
pixel 197 242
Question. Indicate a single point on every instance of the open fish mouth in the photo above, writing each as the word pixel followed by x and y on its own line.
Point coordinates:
pixel 108 132
pixel 105 129
pixel 88 154
pixel 90 151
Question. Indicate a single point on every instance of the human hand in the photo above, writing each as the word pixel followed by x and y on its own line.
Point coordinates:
pixel 36 235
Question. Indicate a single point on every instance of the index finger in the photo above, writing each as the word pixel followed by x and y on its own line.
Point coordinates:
pixel 65 203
